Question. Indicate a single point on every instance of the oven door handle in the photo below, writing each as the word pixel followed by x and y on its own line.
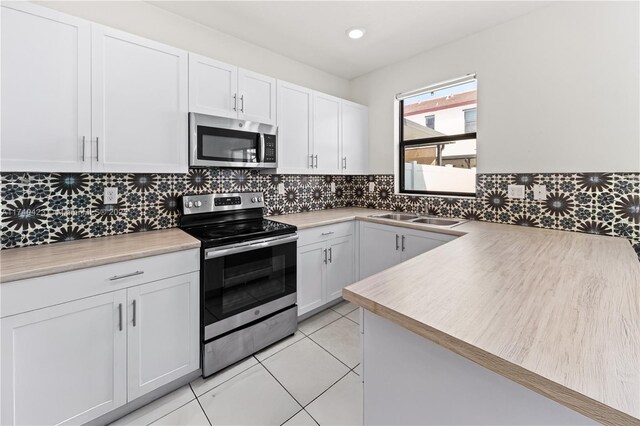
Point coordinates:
pixel 215 252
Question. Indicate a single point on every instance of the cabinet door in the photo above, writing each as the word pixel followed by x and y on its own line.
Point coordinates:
pixel 46 90
pixel 417 242
pixel 163 332
pixel 66 363
pixel 139 98
pixel 257 97
pixel 379 248
pixel 326 133
pixel 340 266
pixel 355 141
pixel 311 277
pixel 294 128
pixel 213 87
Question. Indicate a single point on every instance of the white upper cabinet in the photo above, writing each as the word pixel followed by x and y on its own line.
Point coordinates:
pixel 213 87
pixel 319 133
pixel 80 97
pixel 216 88
pixel 46 90
pixel 355 138
pixel 294 128
pixel 140 104
pixel 326 134
pixel 257 101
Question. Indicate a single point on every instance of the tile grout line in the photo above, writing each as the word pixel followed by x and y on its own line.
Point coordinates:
pixel 165 415
pixel 326 390
pixel 205 413
pixel 286 390
pixel 327 351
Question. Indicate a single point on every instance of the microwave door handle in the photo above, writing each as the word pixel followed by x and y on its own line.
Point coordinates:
pixel 262 148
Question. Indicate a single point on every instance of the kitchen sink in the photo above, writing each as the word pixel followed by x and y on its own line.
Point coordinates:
pixel 438 221
pixel 396 216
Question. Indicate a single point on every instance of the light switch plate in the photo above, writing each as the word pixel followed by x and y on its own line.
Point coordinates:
pixel 110 195
pixel 539 192
pixel 281 188
pixel 333 187
pixel 516 191
pixel 372 186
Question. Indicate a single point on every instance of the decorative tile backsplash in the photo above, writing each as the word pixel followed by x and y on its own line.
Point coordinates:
pixel 40 208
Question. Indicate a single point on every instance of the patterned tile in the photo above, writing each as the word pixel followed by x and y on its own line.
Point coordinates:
pixel 39 208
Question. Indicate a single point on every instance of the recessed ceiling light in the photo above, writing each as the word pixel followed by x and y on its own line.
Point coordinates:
pixel 355 33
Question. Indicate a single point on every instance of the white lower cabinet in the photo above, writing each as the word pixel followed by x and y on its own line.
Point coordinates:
pixel 383 246
pixel 325 265
pixel 66 363
pixel 311 277
pixel 72 362
pixel 162 332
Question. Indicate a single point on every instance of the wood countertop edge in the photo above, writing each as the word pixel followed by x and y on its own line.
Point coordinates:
pixel 93 262
pixel 570 398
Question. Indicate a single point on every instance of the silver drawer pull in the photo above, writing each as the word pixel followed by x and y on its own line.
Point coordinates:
pixel 327 233
pixel 119 277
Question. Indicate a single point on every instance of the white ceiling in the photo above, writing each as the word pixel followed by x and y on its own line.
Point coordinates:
pixel 313 32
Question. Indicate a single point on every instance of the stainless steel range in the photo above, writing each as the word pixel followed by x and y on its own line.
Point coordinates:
pixel 247 275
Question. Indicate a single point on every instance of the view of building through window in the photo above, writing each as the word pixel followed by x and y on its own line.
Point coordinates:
pixel 438 144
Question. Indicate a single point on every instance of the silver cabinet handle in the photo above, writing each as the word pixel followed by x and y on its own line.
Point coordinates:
pixel 235 102
pixel 133 320
pixel 120 316
pixel 242 103
pixel 325 256
pixel 311 158
pixel 403 243
pixel 344 163
pixel 397 242
pixel 83 148
pixel 132 274
pixel 327 233
pixel 330 256
pixel 97 149
pixel 316 157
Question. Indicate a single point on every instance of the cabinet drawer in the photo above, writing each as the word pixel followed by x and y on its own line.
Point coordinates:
pixel 326 232
pixel 35 293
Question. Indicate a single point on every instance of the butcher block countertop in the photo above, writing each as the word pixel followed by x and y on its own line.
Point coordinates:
pixel 558 312
pixel 35 261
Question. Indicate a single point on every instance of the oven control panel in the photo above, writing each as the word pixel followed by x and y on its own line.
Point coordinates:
pixel 207 203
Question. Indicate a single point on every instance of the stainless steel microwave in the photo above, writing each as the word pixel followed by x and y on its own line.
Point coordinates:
pixel 227 142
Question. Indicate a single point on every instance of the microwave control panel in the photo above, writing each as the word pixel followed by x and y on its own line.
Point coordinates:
pixel 269 148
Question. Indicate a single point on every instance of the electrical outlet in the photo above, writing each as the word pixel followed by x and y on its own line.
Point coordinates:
pixel 110 195
pixel 516 191
pixel 372 186
pixel 333 187
pixel 539 192
pixel 281 188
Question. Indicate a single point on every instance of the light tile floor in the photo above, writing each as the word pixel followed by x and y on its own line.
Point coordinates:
pixel 310 378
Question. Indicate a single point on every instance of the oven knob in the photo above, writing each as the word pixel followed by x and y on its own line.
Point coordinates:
pixel 198 203
pixel 259 199
pixel 256 312
pixel 254 199
pixel 189 204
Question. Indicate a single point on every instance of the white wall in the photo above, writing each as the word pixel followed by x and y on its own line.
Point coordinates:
pixel 148 21
pixel 558 90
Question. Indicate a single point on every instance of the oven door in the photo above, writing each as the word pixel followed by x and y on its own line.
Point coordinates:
pixel 244 282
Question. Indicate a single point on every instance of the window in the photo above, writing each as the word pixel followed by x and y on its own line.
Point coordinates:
pixel 430 121
pixel 437 137
pixel 470 120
